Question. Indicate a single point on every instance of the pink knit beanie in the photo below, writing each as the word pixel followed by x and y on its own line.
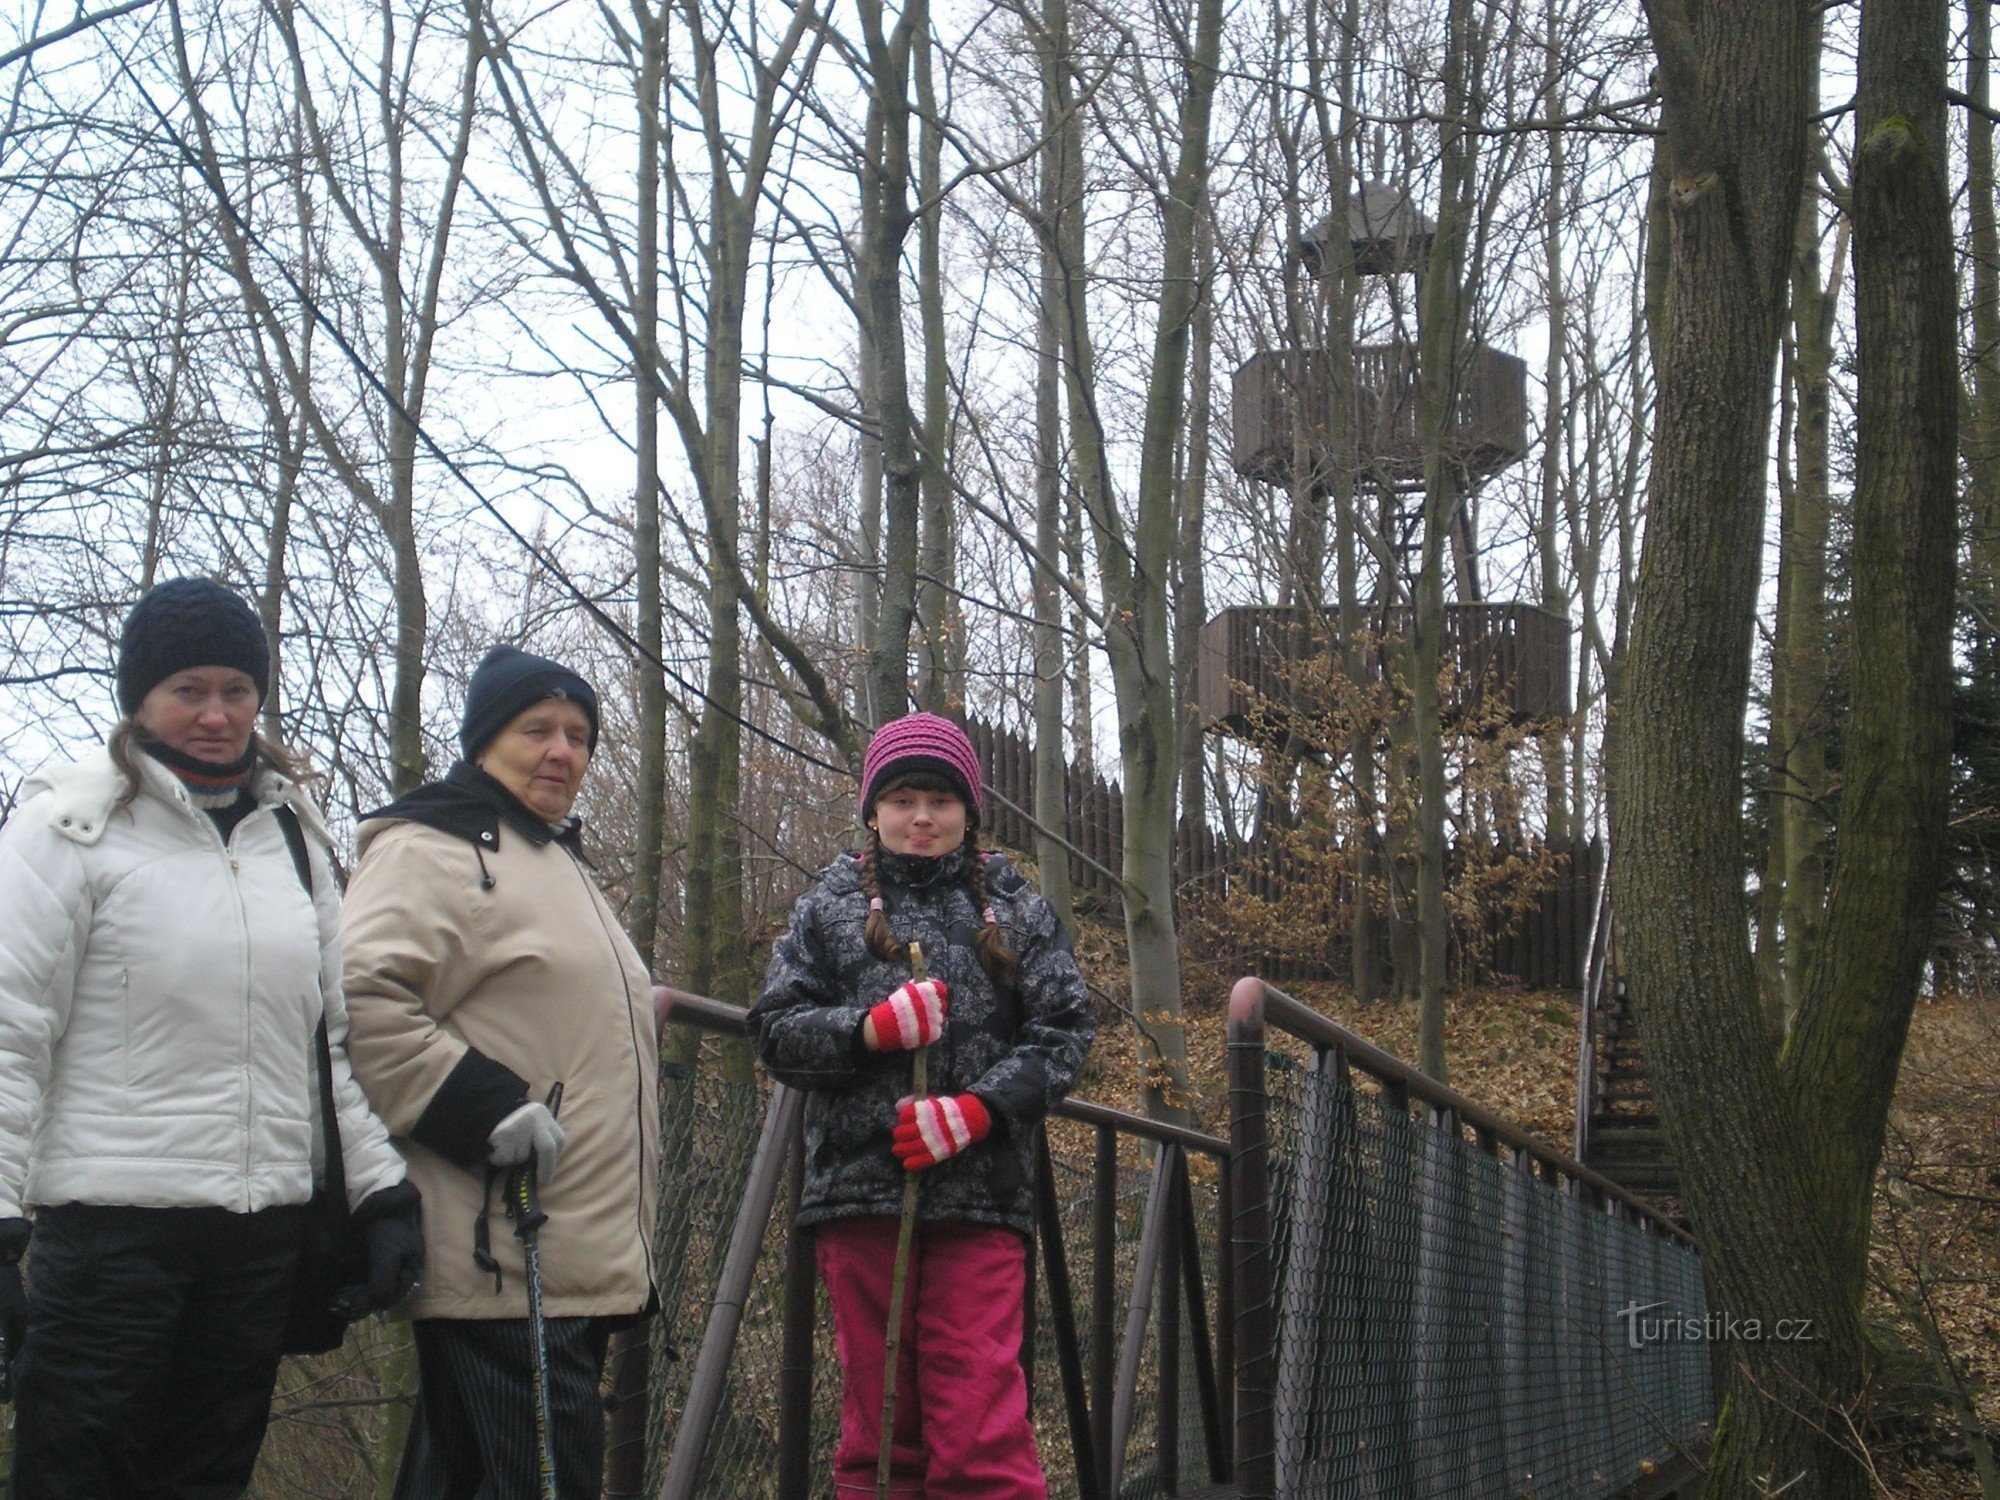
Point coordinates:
pixel 921 742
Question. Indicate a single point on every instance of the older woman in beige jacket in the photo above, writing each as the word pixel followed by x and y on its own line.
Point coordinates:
pixel 483 968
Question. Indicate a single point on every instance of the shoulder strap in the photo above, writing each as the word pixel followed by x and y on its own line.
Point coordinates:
pixel 336 1167
pixel 295 840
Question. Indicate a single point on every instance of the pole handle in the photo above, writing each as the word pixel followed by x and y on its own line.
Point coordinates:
pixel 921 1058
pixel 524 1191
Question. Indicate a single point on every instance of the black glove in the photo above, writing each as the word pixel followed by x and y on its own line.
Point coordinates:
pixel 13 1300
pixel 392 1228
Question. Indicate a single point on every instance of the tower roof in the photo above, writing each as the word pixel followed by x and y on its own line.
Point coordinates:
pixel 1387 233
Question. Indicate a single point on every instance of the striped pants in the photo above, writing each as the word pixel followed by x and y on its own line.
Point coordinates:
pixel 472 1435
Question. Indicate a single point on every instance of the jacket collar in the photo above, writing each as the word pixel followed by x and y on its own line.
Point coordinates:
pixel 85 792
pixel 469 804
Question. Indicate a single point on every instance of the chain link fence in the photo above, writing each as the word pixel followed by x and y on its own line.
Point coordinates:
pixel 710 1126
pixel 1447 1323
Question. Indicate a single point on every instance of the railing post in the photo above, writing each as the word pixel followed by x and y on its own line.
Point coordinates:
pixel 1168 1295
pixel 795 1364
pixel 1249 1232
pixel 1138 1312
pixel 718 1340
pixel 1062 1317
pixel 1225 1316
pixel 1103 1293
pixel 1207 1387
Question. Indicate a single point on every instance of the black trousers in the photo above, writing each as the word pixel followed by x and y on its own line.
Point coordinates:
pixel 152 1350
pixel 472 1436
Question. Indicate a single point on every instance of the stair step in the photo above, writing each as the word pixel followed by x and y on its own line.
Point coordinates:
pixel 1621 1120
pixel 1627 1138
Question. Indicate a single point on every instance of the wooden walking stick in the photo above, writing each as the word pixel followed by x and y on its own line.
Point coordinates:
pixel 898 1279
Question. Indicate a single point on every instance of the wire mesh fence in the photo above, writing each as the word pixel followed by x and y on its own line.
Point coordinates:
pixel 1410 1313
pixel 1448 1323
pixel 710 1126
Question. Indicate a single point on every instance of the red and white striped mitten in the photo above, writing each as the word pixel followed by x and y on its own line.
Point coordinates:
pixel 912 1016
pixel 932 1130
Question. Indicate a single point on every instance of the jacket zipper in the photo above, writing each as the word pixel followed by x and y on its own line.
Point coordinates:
pixel 247 1115
pixel 591 895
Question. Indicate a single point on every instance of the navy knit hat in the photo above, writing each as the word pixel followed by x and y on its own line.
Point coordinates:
pixel 184 623
pixel 508 680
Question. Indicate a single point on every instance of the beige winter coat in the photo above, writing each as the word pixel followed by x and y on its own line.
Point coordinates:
pixel 533 970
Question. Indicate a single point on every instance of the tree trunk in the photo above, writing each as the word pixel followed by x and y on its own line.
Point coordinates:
pixel 1051 679
pixel 885 226
pixel 1981 441
pixel 1764 1185
pixel 1799 694
pixel 1190 594
pixel 869 479
pixel 1562 818
pixel 941 688
pixel 1890 855
pixel 1135 561
pixel 643 915
pixel 1440 339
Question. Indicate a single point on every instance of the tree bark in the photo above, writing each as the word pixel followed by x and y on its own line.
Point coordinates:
pixel 1440 340
pixel 1889 858
pixel 1982 425
pixel 941 686
pixel 1135 560
pixel 886 219
pixel 1051 678
pixel 1802 663
pixel 1776 1168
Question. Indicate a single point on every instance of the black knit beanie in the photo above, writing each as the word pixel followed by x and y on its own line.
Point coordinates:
pixel 183 623
pixel 508 680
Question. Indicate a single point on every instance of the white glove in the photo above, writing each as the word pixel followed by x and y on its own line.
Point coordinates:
pixel 529 1131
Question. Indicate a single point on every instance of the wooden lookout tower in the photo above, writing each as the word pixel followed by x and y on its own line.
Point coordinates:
pixel 1289 408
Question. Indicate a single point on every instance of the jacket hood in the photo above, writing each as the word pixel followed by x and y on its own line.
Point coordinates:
pixel 469 804
pixel 84 792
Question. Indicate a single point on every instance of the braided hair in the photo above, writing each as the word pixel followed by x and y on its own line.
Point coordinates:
pixel 990 946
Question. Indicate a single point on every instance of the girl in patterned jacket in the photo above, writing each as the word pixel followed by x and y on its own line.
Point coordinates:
pixel 1008 1021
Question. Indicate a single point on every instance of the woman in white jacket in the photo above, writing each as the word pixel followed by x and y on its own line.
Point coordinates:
pixel 163 973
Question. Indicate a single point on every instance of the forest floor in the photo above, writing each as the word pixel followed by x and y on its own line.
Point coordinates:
pixel 1935 1302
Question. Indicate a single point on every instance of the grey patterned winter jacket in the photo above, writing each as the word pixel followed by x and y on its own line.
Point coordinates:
pixel 1019 1051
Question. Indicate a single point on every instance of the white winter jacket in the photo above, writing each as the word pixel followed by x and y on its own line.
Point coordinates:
pixel 159 994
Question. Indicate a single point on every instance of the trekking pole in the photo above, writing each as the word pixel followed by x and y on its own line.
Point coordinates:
pixel 905 1233
pixel 524 1206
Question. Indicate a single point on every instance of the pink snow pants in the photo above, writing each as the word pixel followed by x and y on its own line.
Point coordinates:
pixel 962 1430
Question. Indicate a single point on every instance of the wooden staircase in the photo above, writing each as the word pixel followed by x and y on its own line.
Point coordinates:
pixel 1622 1137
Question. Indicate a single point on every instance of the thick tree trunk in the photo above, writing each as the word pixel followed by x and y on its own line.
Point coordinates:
pixel 1889 859
pixel 1776 1175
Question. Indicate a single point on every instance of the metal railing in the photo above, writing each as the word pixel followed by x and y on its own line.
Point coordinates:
pixel 1431 1301
pixel 1416 1298
pixel 1141 1404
